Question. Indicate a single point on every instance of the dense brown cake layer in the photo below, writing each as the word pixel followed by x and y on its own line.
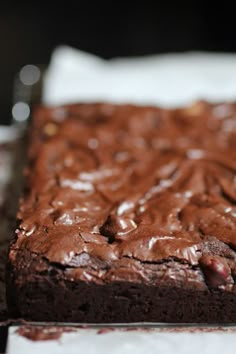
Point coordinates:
pixel 128 214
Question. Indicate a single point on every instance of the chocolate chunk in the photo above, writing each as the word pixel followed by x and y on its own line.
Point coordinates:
pixel 216 270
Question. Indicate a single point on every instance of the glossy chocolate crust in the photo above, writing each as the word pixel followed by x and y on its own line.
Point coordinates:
pixel 128 214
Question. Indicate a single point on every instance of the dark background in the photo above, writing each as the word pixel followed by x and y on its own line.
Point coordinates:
pixel 30 30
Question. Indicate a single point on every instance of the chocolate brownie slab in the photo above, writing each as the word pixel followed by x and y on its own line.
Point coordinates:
pixel 128 214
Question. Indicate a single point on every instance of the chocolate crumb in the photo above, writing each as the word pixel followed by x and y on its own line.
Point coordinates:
pixel 39 333
pixel 105 330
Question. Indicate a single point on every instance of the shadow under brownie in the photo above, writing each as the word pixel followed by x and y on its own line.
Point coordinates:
pixel 11 160
pixel 128 215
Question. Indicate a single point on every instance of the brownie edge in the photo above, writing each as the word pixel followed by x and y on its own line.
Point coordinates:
pixel 49 296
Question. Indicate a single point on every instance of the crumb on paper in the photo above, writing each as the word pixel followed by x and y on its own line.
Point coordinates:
pixel 41 333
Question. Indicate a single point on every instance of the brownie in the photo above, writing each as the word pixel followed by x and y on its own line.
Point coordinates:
pixel 128 215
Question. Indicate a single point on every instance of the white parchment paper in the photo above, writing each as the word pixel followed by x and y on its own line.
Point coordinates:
pixel 169 80
pixel 91 341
